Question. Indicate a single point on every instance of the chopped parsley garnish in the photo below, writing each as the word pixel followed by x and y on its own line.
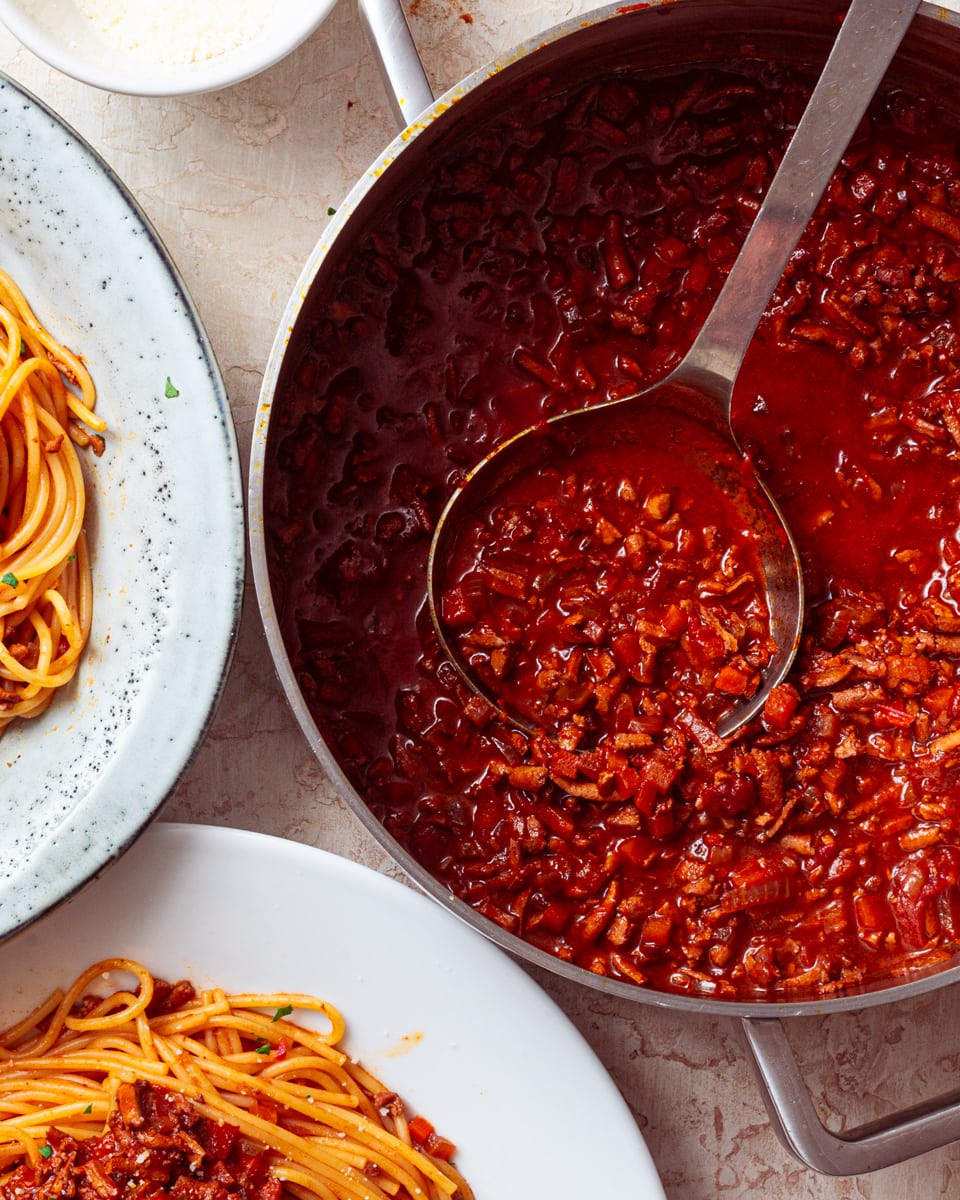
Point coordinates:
pixel 46 1151
pixel 263 1048
pixel 169 390
pixel 282 1012
pixel 9 579
pixel 331 211
pixel 88 1109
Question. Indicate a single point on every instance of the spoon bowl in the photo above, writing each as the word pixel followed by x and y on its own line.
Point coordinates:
pixel 687 415
pixel 671 423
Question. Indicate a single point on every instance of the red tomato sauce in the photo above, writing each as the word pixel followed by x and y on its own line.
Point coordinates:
pixel 612 590
pixel 156 1144
pixel 564 254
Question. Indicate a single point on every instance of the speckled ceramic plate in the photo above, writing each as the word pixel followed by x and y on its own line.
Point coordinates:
pixel 165 518
pixel 434 1009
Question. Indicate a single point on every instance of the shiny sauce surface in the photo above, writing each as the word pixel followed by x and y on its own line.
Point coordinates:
pixel 614 584
pixel 563 254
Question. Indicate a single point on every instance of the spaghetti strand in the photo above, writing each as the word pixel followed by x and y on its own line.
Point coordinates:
pixel 83 1066
pixel 47 401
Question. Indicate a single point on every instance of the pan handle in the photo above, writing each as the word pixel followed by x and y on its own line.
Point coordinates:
pixel 867 1148
pixel 396 51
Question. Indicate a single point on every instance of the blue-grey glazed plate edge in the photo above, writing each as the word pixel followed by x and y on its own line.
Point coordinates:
pixel 165 517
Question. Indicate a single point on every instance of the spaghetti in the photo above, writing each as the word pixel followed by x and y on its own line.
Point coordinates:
pixel 47 400
pixel 279 1107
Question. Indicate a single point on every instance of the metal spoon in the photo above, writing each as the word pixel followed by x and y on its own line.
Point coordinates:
pixel 700 389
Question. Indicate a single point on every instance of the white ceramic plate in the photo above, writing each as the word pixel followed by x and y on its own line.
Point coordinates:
pixel 433 1008
pixel 119 49
pixel 165 518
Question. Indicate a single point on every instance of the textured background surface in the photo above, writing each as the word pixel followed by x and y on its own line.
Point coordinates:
pixel 238 184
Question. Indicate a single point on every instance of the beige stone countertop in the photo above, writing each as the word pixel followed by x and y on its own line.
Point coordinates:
pixel 238 183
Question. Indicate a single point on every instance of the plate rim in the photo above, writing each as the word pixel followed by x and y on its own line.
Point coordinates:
pixel 233 577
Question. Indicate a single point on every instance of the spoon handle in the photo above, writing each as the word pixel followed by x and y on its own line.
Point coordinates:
pixel 868 39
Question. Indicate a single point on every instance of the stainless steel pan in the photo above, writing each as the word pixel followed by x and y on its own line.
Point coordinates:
pixel 662 34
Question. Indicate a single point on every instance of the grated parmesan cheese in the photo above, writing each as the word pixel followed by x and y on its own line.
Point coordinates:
pixel 176 31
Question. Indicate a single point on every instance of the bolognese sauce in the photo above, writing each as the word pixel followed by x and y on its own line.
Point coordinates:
pixel 201 1095
pixel 578 587
pixel 563 254
pixel 156 1144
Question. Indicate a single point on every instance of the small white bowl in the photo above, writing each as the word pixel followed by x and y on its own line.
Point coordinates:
pixel 118 45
